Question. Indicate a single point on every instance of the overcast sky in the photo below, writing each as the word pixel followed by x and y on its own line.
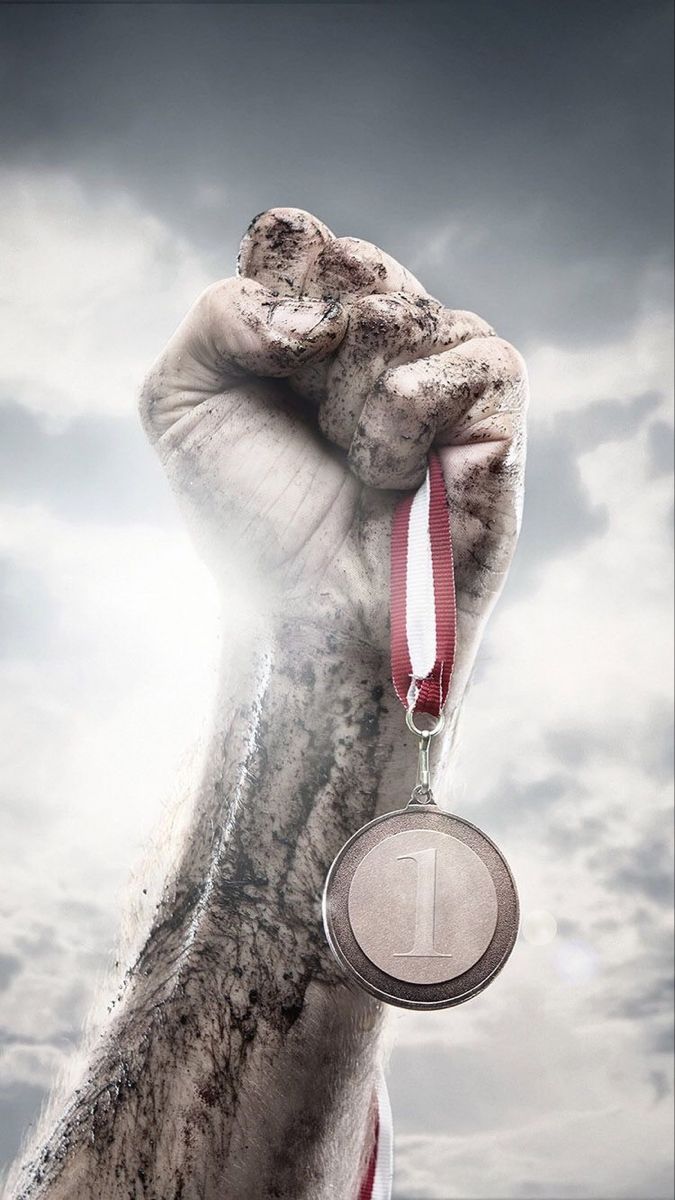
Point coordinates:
pixel 516 155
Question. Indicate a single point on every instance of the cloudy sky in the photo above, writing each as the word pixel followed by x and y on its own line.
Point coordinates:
pixel 516 155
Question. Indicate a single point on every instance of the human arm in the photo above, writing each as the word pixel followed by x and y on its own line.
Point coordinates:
pixel 239 1063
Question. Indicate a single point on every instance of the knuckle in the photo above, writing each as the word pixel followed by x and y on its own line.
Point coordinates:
pixel 216 297
pixel 382 462
pixel 149 399
pixel 399 387
pixel 470 324
pixel 507 362
pixel 215 308
pixel 410 394
pixel 371 309
pixel 338 269
pixel 379 324
pixel 370 460
pixel 493 370
pixel 510 376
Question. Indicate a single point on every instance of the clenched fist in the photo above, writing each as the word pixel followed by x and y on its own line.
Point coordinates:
pixel 297 399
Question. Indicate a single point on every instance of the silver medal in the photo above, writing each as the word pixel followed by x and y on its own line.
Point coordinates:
pixel 421 908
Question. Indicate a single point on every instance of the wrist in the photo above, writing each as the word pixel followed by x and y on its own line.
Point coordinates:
pixel 315 738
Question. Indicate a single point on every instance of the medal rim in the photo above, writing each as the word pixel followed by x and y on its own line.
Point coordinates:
pixel 380 993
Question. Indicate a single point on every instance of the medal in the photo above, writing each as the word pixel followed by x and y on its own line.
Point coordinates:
pixel 420 907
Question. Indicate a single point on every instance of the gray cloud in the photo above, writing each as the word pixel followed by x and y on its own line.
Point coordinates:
pixel 10 966
pixel 661 447
pixel 517 804
pixel 559 515
pixel 20 1105
pixel 98 467
pixel 646 742
pixel 40 941
pixel 662 1085
pixel 542 133
pixel 644 868
pixel 654 998
pixel 605 421
pixel 662 1039
pixel 480 1096
pixel 26 612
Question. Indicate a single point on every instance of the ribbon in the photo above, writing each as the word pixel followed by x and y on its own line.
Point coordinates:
pixel 423 606
pixel 379 1169
pixel 423 635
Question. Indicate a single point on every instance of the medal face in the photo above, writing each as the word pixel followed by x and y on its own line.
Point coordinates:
pixel 421 908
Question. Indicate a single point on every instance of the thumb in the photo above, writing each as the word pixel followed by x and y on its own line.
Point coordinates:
pixel 236 327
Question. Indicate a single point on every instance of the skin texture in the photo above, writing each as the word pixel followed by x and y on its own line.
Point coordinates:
pixel 290 409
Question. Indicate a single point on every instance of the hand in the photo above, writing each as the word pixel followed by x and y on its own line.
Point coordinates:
pixel 297 400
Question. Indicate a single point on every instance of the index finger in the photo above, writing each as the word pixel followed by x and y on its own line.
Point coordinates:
pixel 289 250
pixel 350 266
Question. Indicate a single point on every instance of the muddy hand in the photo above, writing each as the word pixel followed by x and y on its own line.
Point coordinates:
pixel 298 399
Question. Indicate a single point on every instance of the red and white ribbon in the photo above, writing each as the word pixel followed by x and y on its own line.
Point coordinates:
pixel 423 608
pixel 423 634
pixel 377 1181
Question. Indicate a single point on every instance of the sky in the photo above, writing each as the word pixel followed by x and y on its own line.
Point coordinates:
pixel 516 156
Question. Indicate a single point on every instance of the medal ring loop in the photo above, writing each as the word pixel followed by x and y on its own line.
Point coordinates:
pixel 439 722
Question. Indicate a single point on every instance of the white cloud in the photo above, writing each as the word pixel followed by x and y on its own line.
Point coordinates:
pixel 565 380
pixel 554 1158
pixel 130 687
pixel 99 737
pixel 91 288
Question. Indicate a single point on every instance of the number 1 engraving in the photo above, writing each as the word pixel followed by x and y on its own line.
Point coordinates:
pixel 425 905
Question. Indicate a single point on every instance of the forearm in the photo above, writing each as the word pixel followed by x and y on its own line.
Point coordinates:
pixel 228 1065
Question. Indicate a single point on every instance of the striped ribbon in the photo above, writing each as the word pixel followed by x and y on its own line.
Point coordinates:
pixel 423 606
pixel 377 1181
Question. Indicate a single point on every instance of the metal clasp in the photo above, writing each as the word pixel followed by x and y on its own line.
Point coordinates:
pixel 422 793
